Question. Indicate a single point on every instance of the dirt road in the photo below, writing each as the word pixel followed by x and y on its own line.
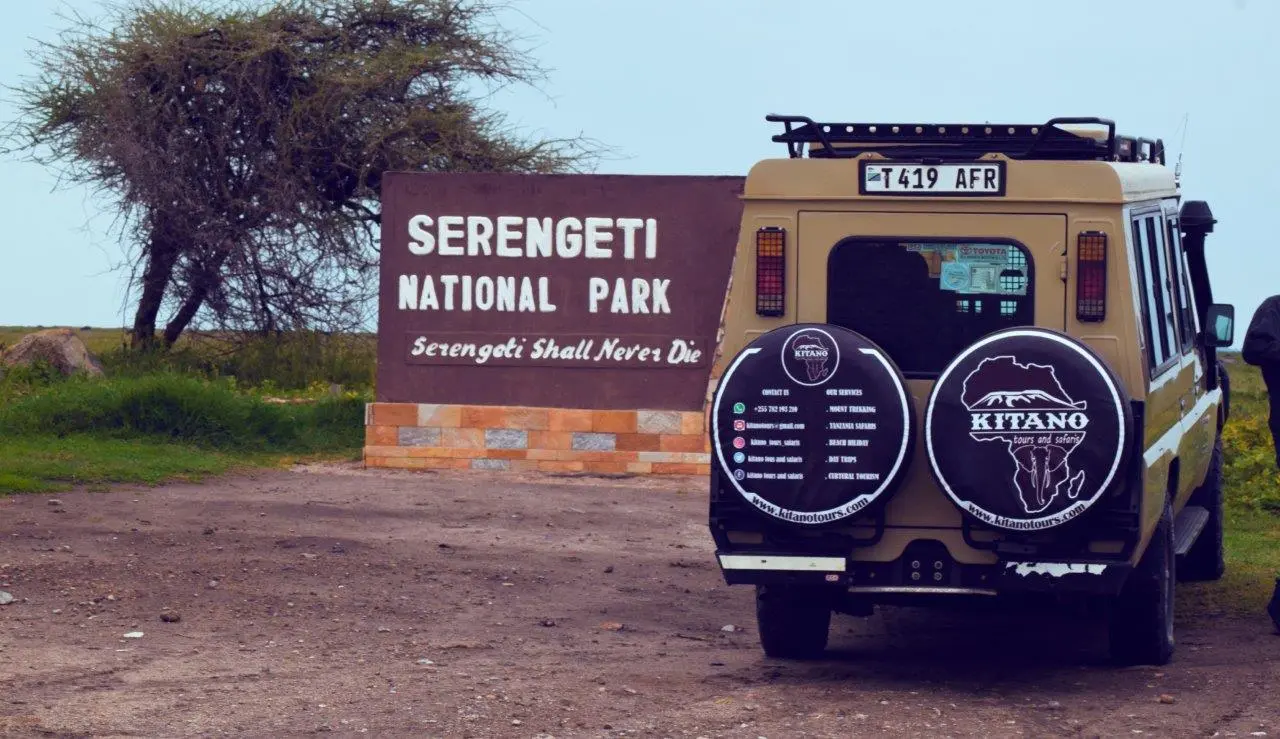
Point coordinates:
pixel 384 604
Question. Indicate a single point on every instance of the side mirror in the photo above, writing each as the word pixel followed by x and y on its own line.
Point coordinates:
pixel 1221 329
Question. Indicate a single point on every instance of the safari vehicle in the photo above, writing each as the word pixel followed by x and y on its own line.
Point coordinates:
pixel 968 360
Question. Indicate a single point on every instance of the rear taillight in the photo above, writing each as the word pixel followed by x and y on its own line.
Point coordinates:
pixel 771 271
pixel 1091 276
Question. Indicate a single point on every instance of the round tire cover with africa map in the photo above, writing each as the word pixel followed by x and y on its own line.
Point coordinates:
pixel 1026 429
pixel 812 424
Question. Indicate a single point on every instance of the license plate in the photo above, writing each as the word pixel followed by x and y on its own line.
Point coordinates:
pixel 986 178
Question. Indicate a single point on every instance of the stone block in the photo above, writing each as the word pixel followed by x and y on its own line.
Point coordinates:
pixel 440 416
pixel 594 442
pixel 462 438
pixel 659 422
pixel 381 436
pixel 506 439
pixel 693 423
pixel 638 442
pixel 565 419
pixel 681 443
pixel 550 440
pixel 418 436
pixel 617 422
pixel 395 414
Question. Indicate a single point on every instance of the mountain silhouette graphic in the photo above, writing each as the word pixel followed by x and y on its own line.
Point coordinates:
pixel 1003 383
pixel 1024 399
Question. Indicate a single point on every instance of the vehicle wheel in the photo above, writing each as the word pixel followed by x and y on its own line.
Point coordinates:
pixel 1142 615
pixel 811 363
pixel 1205 561
pixel 793 622
pixel 1021 481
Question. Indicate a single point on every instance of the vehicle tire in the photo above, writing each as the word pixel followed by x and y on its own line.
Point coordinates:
pixel 773 408
pixel 1205 560
pixel 1141 630
pixel 1049 472
pixel 793 622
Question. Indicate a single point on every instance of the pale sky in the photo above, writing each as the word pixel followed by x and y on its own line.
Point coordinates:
pixel 682 87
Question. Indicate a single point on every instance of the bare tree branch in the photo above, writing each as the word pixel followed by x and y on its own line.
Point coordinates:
pixel 244 142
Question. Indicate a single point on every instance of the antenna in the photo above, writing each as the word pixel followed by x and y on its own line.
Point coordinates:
pixel 1182 147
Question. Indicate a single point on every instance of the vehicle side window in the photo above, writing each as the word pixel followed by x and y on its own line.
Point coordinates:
pixel 1164 285
pixel 1187 318
pixel 1157 350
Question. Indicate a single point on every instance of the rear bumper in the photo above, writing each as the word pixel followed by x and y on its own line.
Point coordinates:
pixel 925 574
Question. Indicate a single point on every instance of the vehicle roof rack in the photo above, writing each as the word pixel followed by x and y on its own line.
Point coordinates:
pixel 1046 141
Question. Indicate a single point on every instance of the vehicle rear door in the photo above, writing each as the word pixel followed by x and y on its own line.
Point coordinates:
pixel 924 286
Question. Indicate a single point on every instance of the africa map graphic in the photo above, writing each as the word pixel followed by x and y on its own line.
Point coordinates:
pixel 1001 387
pixel 812 352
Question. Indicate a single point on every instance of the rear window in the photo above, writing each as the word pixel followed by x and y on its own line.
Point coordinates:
pixel 925 301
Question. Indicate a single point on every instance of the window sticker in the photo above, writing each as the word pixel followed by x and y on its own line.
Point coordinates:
pixel 983 278
pixel 996 254
pixel 955 277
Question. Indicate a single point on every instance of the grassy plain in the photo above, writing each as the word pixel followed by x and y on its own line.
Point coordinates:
pixel 212 405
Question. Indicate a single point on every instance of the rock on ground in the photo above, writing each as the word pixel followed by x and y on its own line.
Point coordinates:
pixel 59 347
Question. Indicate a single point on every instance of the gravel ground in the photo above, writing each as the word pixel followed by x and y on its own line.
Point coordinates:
pixel 336 600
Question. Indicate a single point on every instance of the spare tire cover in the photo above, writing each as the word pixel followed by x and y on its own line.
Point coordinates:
pixel 812 423
pixel 1026 429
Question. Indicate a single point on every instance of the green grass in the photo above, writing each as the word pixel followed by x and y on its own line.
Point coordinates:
pixel 1251 487
pixel 170 407
pixel 47 463
pixel 205 408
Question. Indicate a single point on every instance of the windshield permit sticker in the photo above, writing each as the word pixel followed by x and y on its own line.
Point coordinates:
pixel 955 276
pixel 982 279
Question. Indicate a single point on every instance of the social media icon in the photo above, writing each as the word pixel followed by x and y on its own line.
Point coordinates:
pixel 739 407
pixel 739 474
pixel 739 457
pixel 739 425
pixel 739 442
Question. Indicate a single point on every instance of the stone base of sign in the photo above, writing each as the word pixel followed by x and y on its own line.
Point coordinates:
pixel 641 442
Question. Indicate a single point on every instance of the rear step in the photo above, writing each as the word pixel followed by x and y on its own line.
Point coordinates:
pixel 1187 527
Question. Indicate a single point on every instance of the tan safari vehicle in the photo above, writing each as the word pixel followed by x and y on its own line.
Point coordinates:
pixel 968 360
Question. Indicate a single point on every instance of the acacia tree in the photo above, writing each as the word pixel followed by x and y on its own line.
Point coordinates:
pixel 244 144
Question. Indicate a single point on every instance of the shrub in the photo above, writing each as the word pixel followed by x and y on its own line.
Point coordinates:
pixel 21 380
pixel 287 362
pixel 208 413
pixel 1249 470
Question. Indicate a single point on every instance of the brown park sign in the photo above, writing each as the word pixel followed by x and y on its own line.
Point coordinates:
pixel 575 291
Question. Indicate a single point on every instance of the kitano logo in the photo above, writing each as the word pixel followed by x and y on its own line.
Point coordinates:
pixel 810 357
pixel 811 352
pixel 1028 421
pixel 1025 407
